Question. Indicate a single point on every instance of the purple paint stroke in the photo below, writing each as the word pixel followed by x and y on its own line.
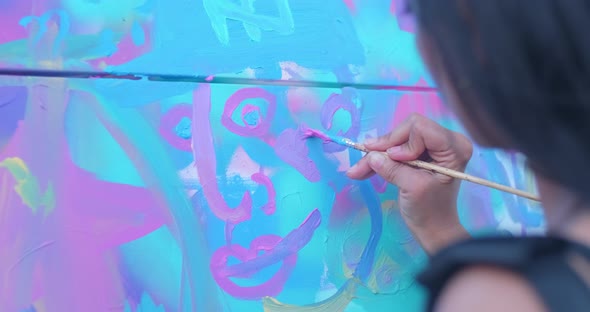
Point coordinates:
pixel 128 213
pixel 344 207
pixel 86 226
pixel 13 101
pixel 168 124
pixel 276 250
pixel 289 145
pixel 291 244
pixel 312 133
pixel 379 184
pixel 263 125
pixel 271 205
pixel 406 20
pixel 74 257
pixel 206 163
pixel 229 231
pixel 271 287
pixel 291 148
pixel 334 103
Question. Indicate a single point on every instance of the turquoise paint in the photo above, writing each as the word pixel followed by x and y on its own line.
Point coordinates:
pixel 166 272
pixel 112 131
pixel 183 129
pixel 137 34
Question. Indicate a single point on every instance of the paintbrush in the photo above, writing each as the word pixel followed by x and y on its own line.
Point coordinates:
pixel 308 133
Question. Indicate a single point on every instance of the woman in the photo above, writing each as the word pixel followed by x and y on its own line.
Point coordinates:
pixel 517 74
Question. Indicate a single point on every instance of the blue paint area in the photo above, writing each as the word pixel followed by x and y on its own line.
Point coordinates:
pixel 252 118
pixel 165 272
pixel 96 151
pixel 336 44
pixel 371 199
pixel 41 22
pixel 137 34
pixel 169 269
pixel 183 128
pixel 146 304
pixel 341 122
pixel 159 171
pixel 13 102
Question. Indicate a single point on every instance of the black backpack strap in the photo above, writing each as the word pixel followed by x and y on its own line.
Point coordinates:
pixel 560 287
pixel 542 261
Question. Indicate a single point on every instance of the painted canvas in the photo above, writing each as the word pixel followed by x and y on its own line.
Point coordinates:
pixel 179 180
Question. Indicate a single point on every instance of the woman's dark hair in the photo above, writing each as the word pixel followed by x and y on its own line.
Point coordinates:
pixel 527 65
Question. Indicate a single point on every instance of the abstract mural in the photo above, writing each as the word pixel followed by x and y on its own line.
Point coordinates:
pixel 180 179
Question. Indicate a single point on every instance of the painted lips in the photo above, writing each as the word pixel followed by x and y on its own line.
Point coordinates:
pixel 276 249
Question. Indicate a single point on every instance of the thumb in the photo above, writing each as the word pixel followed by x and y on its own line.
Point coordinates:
pixel 392 171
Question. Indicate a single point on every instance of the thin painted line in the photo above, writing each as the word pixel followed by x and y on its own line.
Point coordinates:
pixel 206 79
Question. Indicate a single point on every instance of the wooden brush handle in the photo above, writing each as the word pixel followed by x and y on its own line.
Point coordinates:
pixel 470 178
pixel 454 174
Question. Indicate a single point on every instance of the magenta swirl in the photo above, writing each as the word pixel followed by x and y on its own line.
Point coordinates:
pixel 262 125
pixel 169 121
pixel 334 103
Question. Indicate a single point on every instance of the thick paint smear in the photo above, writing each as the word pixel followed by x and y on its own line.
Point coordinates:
pixel 121 195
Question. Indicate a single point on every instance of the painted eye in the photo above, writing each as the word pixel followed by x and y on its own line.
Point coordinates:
pixel 258 109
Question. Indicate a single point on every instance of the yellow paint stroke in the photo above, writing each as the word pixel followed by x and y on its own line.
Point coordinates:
pixel 27 186
pixel 383 261
pixel 337 303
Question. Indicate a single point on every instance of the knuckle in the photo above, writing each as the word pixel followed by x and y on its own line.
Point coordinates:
pixel 414 117
pixel 421 122
pixel 464 147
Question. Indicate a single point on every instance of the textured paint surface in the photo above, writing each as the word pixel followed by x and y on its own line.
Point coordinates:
pixel 120 195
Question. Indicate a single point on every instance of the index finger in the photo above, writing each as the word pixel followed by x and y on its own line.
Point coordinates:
pixel 396 137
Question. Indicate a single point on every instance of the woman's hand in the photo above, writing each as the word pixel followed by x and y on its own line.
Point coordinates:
pixel 427 200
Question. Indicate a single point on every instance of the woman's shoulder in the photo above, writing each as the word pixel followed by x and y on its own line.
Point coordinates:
pixel 521 271
pixel 486 288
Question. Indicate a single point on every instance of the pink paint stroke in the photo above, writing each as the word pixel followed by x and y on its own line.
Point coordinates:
pixel 312 133
pixel 351 6
pixel 85 227
pixel 343 101
pixel 423 103
pixel 289 145
pixel 169 122
pixel 271 205
pixel 277 250
pixel 292 149
pixel 206 163
pixel 263 125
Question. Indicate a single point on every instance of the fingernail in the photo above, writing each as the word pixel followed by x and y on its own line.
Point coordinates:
pixel 394 150
pixel 376 160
